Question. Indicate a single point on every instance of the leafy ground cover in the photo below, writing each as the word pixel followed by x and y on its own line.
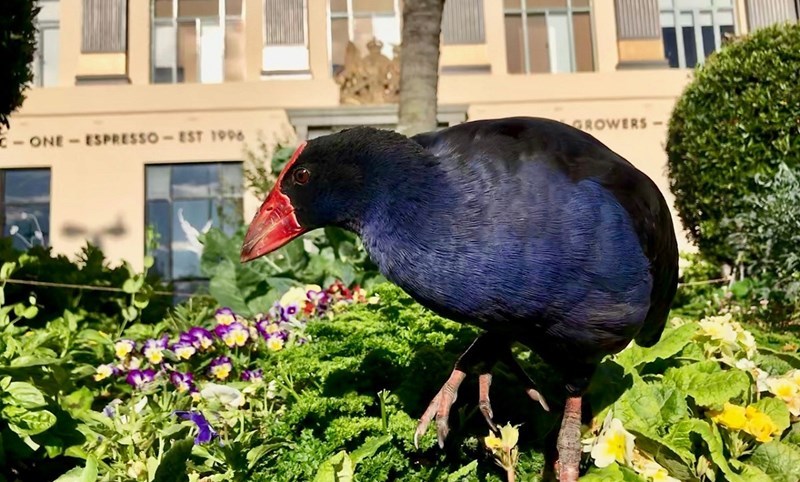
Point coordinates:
pixel 327 384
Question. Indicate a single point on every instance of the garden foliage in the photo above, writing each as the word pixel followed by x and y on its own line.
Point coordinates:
pixel 735 121
pixel 17 46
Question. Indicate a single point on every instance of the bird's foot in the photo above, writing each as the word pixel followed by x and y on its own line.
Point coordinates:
pixel 569 442
pixel 440 408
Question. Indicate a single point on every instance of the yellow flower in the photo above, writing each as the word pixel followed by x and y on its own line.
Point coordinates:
pixel 732 416
pixel 185 352
pixel 275 343
pixel 761 426
pixel 783 388
pixel 504 447
pixel 613 444
pixel 154 355
pixel 123 348
pixel 718 328
pixel 103 372
pixel 236 337
pixel 493 442
pixel 221 372
pixel 295 296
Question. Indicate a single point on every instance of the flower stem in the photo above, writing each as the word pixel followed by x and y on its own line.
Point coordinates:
pixel 511 475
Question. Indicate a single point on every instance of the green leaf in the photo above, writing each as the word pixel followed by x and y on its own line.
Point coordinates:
pixel 173 465
pixel 338 468
pixel 369 448
pixel 86 474
pixel 672 451
pixel 709 433
pixel 672 342
pixel 6 270
pixel 24 395
pixel 650 408
pixel 611 473
pixel 26 361
pixel 461 474
pixel 708 384
pixel 79 400
pixel 778 460
pixel 777 411
pixel 28 422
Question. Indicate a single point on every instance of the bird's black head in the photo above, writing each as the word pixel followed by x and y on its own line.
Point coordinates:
pixel 330 180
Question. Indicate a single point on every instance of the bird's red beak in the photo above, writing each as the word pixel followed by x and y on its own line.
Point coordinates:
pixel 275 223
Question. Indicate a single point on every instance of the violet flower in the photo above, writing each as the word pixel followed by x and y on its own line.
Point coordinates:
pixel 184 348
pixel 252 375
pixel 225 316
pixel 200 338
pixel 139 378
pixel 221 367
pixel 154 349
pixel 184 382
pixel 205 432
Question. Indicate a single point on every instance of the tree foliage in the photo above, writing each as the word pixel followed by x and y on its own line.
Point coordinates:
pixel 17 46
pixel 739 118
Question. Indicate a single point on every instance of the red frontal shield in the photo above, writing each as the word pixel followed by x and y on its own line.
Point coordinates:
pixel 275 223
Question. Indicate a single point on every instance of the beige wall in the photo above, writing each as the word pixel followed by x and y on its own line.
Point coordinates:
pixel 95 188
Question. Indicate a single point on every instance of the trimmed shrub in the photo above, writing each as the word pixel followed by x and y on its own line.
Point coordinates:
pixel 739 118
pixel 17 45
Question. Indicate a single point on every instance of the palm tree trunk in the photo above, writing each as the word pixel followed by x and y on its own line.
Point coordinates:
pixel 419 65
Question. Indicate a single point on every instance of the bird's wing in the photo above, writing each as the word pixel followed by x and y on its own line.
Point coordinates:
pixel 580 156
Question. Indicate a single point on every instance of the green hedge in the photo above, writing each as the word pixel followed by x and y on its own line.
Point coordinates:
pixel 739 117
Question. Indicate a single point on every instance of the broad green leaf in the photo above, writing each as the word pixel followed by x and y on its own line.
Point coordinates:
pixel 672 451
pixel 778 460
pixel 611 473
pixel 338 468
pixel 672 342
pixel 708 384
pixel 461 473
pixel 793 437
pixel 650 408
pixel 173 465
pixel 777 411
pixel 6 270
pixel 369 448
pixel 28 422
pixel 709 434
pixel 24 395
pixel 87 473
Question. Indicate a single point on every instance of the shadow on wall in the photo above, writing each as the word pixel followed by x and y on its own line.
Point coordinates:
pixel 97 236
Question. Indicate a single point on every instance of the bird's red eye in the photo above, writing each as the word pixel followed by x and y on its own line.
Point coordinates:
pixel 301 175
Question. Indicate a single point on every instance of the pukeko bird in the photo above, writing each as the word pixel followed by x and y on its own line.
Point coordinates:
pixel 527 228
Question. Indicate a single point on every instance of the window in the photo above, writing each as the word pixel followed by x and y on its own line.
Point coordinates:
pixel 184 200
pixel 25 206
pixel 548 36
pixel 360 21
pixel 694 29
pixel 197 41
pixel 45 62
pixel 285 42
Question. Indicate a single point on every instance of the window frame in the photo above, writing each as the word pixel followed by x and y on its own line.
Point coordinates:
pixel 45 240
pixel 220 196
pixel 350 16
pixel 524 12
pixel 174 21
pixel 676 11
pixel 38 56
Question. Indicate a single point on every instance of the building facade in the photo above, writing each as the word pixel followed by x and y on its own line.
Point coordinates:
pixel 142 110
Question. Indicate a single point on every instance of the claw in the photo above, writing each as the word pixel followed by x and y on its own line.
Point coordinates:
pixel 538 397
pixel 440 408
pixel 484 382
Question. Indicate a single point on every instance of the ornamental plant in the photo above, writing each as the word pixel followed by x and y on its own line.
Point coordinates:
pixel 736 121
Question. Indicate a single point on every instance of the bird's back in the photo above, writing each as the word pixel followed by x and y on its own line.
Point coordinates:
pixel 538 228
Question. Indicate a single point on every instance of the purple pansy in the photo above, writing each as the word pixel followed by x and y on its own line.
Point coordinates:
pixel 205 432
pixel 153 349
pixel 252 375
pixel 225 316
pixel 201 338
pixel 221 367
pixel 184 382
pixel 139 378
pixel 184 348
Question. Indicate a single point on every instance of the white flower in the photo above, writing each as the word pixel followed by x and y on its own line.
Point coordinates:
pixel 14 229
pixel 719 328
pixel 224 394
pixel 656 472
pixel 613 444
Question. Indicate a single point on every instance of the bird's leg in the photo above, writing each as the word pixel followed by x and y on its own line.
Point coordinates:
pixel 481 356
pixel 483 351
pixel 569 441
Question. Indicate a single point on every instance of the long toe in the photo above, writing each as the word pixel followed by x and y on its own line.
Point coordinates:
pixel 484 383
pixel 439 408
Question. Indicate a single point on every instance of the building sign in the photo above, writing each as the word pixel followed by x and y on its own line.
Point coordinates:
pixel 599 124
pixel 106 139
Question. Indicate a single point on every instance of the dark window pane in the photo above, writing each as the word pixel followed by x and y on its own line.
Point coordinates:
pixel 231 180
pixel 670 46
pixel 227 215
pixel 158 182
pixel 689 47
pixel 159 217
pixel 27 186
pixel 515 53
pixel 30 224
pixel 709 43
